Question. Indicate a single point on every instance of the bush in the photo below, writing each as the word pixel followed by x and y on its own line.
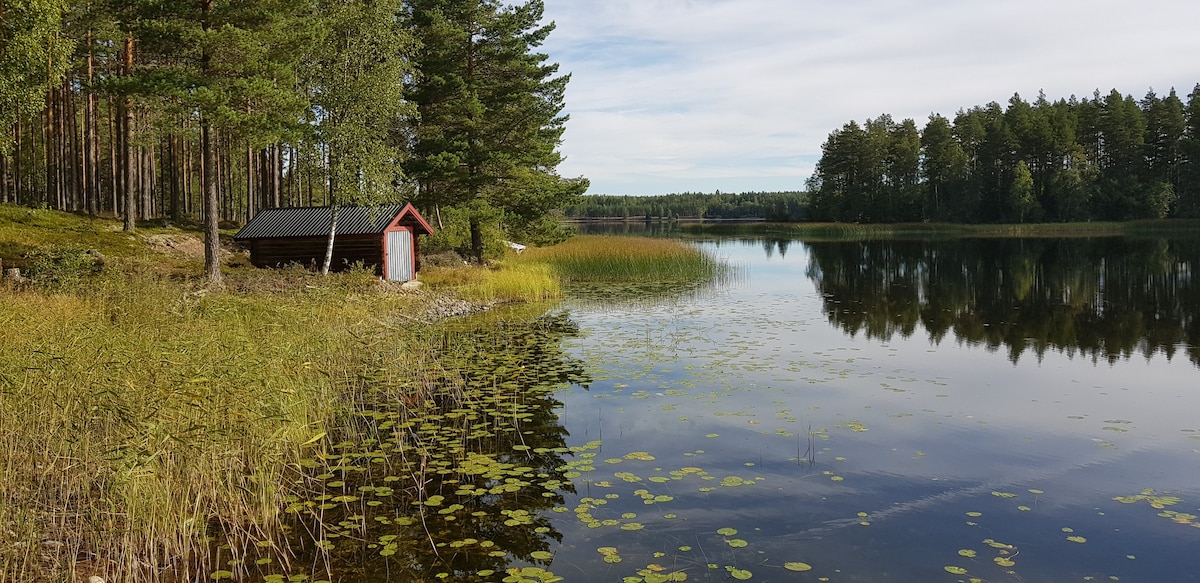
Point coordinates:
pixel 64 266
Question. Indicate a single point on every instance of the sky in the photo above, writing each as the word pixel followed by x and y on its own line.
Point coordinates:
pixel 674 96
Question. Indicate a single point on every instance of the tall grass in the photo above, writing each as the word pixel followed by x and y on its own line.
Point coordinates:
pixel 590 258
pixel 506 281
pixel 141 416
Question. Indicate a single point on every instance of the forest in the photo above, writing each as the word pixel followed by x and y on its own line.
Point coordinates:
pixel 771 206
pixel 1108 157
pixel 210 110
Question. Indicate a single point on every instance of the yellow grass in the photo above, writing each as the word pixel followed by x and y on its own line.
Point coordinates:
pixel 506 281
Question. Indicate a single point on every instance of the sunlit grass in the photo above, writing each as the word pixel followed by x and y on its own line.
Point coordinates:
pixel 506 281
pixel 625 259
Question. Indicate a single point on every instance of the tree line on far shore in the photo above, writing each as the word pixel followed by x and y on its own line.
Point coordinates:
pixel 771 206
pixel 1108 157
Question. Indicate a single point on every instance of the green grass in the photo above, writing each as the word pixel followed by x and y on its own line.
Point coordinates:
pixel 625 259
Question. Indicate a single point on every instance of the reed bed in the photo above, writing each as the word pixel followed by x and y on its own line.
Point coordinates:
pixel 589 258
pixel 504 281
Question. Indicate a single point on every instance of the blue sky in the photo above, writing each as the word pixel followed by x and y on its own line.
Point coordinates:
pixel 738 95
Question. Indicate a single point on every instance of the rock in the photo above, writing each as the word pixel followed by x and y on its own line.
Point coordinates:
pixel 95 579
pixel 412 285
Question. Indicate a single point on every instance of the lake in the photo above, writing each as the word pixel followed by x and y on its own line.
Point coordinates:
pixel 898 411
pixel 962 410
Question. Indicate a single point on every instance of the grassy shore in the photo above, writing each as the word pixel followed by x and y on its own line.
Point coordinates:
pixel 150 424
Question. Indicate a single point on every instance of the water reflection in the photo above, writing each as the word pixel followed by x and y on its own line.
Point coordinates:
pixel 1105 299
pixel 447 476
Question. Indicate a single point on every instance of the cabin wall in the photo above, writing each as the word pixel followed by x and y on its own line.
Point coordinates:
pixel 310 252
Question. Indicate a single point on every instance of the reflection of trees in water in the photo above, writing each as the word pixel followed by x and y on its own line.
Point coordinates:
pixel 1103 298
pixel 451 472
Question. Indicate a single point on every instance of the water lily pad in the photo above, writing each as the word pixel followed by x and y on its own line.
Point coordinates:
pixel 739 574
pixel 797 566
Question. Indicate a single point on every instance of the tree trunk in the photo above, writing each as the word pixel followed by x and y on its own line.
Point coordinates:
pixel 16 198
pixel 186 176
pixel 4 178
pixel 249 183
pixel 113 141
pixel 49 149
pixel 276 173
pixel 333 216
pixel 127 161
pixel 91 156
pixel 78 198
pixel 293 189
pixel 212 234
pixel 173 156
pixel 476 240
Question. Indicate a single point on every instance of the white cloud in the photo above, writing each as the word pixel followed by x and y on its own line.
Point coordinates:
pixel 674 95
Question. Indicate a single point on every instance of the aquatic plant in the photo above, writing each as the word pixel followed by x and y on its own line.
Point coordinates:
pixel 591 258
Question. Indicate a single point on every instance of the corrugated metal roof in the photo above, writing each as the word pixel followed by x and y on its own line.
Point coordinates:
pixel 314 222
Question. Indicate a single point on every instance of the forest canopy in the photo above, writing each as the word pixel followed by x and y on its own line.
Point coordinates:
pixel 213 110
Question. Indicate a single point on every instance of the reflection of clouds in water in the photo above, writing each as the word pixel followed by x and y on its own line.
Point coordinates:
pixel 729 365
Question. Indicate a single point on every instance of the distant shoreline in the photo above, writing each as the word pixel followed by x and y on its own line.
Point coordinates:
pixel 660 220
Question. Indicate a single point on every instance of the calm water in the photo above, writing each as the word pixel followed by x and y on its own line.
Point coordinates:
pixel 893 411
pixel 990 410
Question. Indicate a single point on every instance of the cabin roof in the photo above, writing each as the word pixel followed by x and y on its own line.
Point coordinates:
pixel 314 221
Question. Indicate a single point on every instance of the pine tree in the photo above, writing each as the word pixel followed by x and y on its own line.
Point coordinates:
pixel 489 114
pixel 944 169
pixel 1189 158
